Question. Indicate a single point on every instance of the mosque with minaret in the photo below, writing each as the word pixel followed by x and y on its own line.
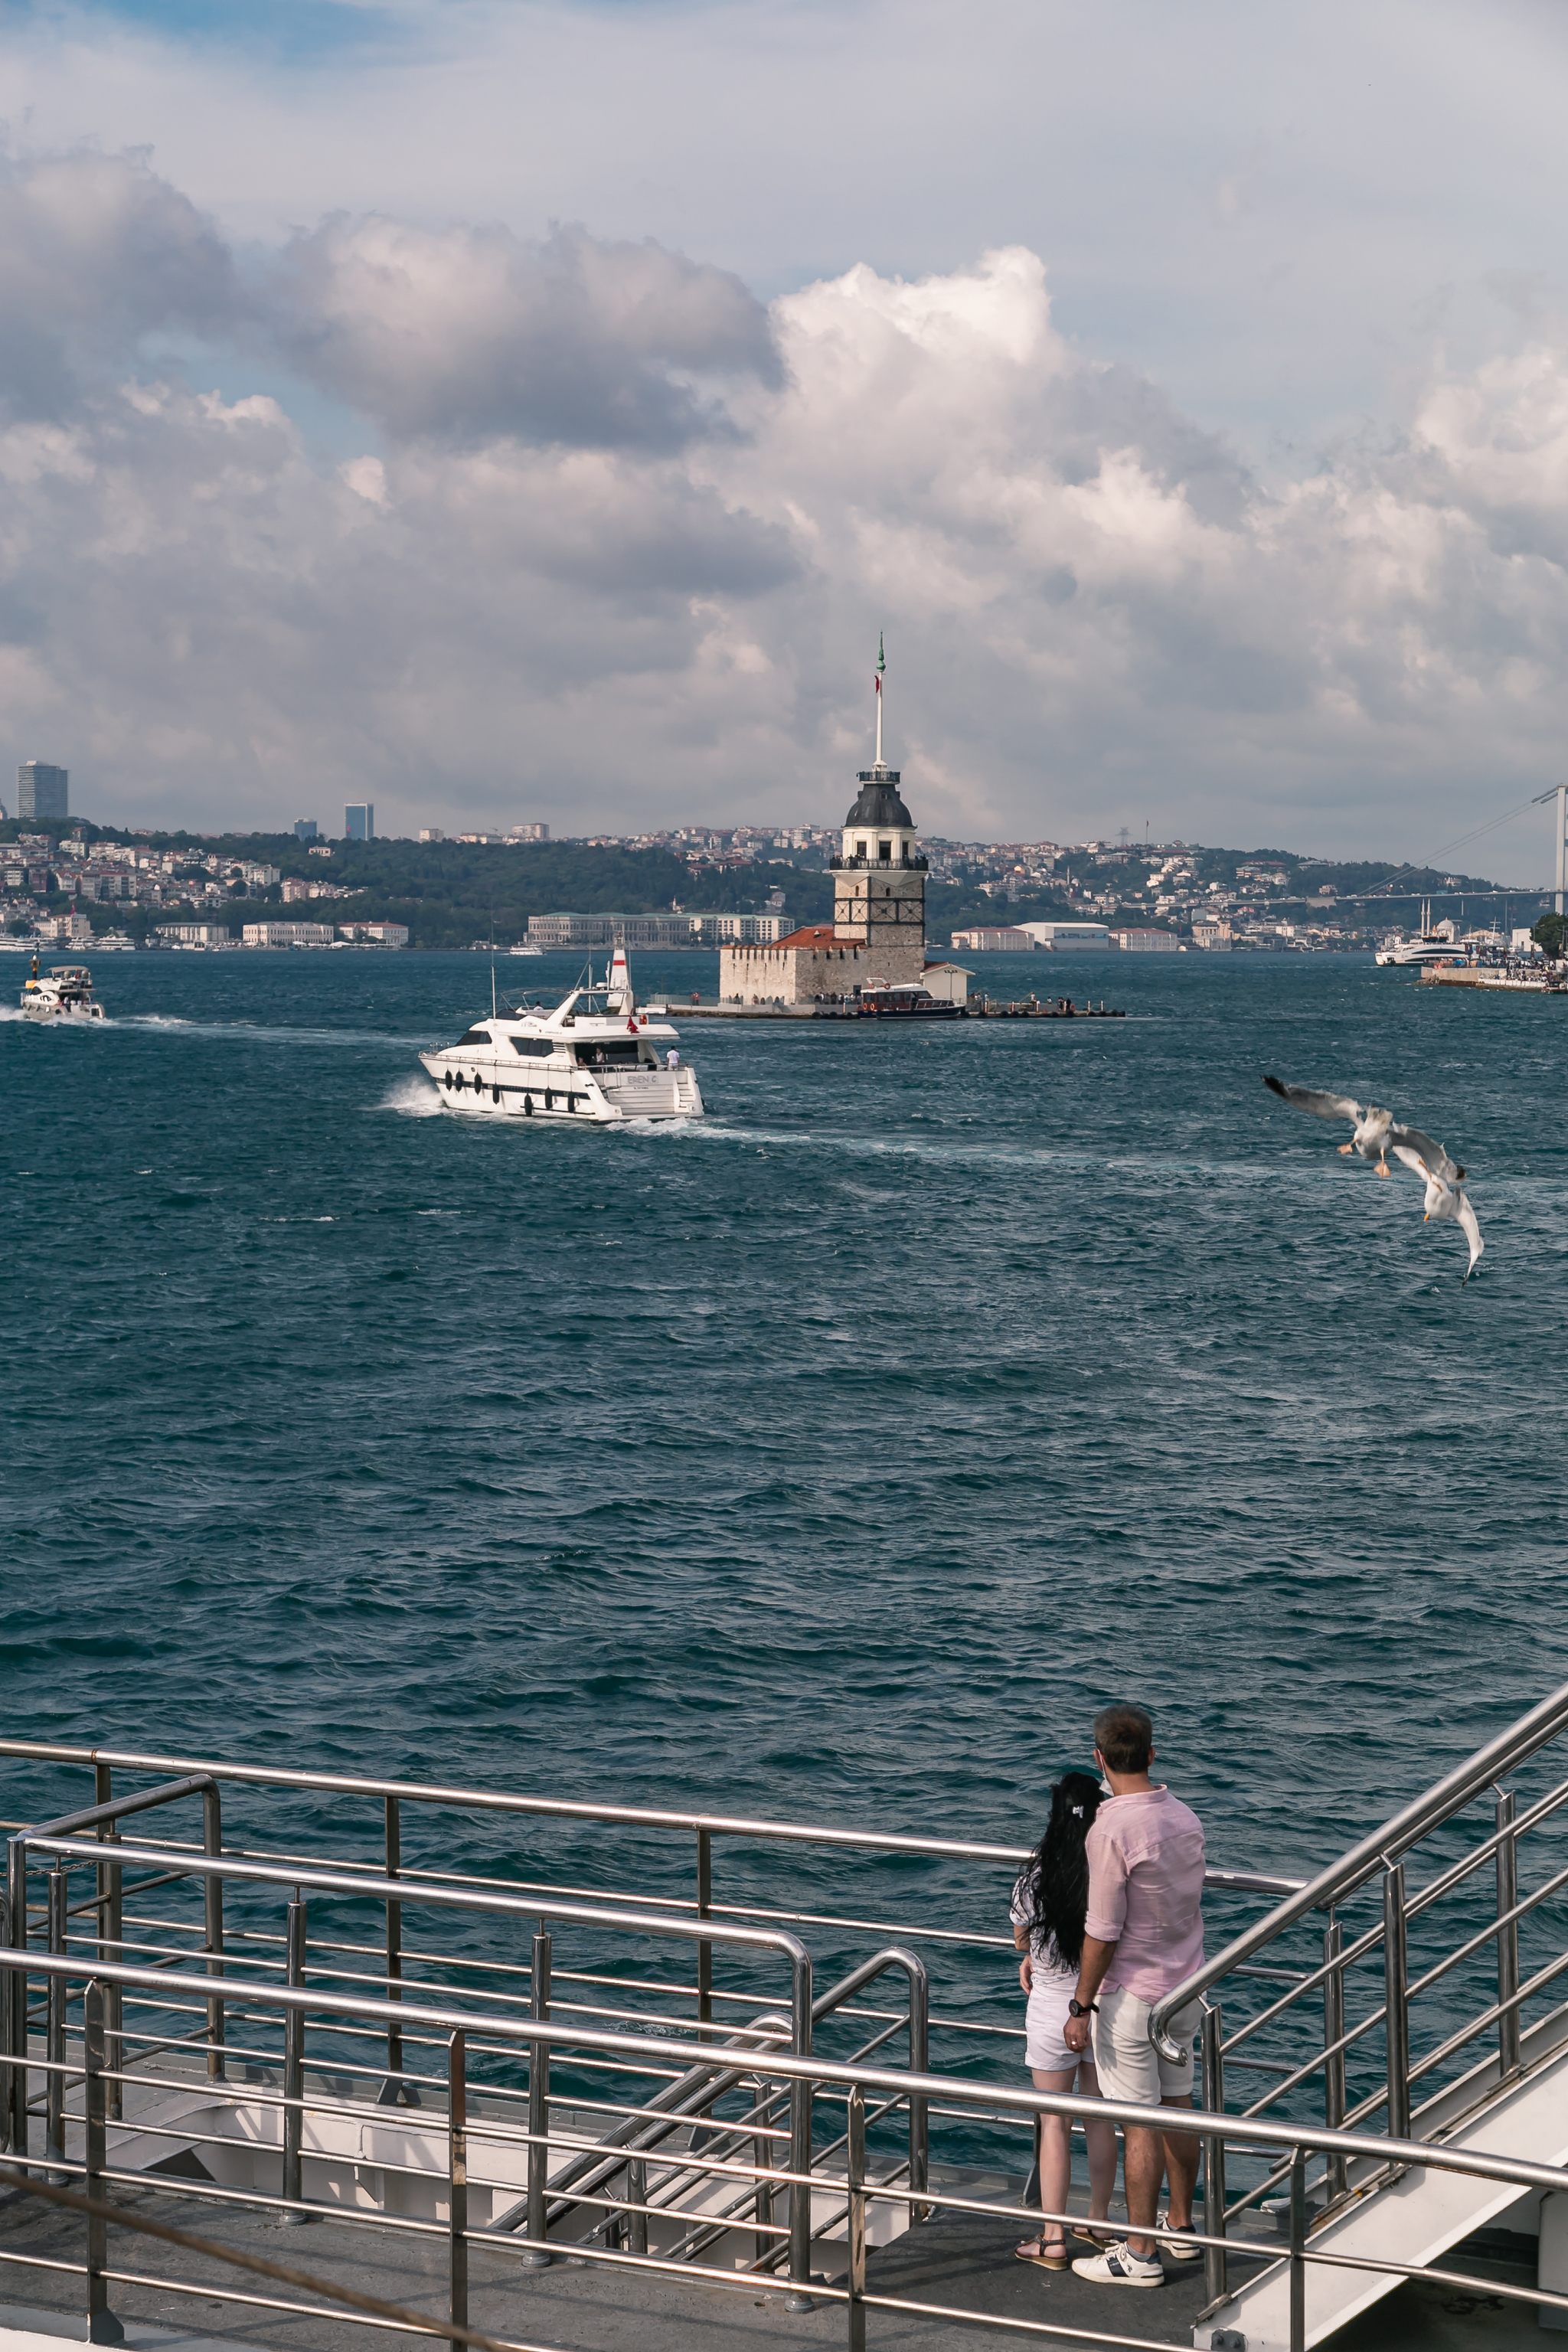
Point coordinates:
pixel 877 934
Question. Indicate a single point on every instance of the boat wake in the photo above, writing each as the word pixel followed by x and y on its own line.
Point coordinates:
pixel 414 1099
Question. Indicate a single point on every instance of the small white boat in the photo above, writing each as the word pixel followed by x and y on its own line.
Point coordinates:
pixel 525 947
pixel 64 993
pixel 594 1058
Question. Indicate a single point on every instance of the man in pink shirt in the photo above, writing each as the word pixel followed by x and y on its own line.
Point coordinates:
pixel 1144 1933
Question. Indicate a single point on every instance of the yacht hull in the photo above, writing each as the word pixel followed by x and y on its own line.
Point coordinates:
pixel 475 1087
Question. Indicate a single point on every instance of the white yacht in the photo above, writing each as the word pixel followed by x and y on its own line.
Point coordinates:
pixel 527 947
pixel 64 993
pixel 594 1058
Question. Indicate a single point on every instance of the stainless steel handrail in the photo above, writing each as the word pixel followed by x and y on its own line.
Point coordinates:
pixel 573 1809
pixel 1383 1847
pixel 460 2031
pixel 1253 2133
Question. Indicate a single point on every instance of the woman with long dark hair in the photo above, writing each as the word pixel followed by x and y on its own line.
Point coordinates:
pixel 1049 1902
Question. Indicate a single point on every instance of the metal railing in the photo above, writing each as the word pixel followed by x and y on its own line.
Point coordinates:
pixel 472 2042
pixel 1410 2007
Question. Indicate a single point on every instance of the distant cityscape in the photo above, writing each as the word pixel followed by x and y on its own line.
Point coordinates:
pixel 67 884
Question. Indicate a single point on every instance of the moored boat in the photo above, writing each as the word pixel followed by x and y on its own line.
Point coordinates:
pixel 595 1059
pixel 906 1001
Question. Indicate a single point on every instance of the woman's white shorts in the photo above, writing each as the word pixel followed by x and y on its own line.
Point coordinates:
pixel 1045 2051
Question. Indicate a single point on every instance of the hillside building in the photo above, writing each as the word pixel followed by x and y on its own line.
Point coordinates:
pixel 42 790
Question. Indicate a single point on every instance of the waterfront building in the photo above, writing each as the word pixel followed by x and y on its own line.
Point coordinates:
pixel 196 935
pixel 287 935
pixel 42 790
pixel 359 820
pixel 1068 937
pixel 381 935
pixel 992 939
pixel 1146 942
pixel 1214 935
pixel 878 926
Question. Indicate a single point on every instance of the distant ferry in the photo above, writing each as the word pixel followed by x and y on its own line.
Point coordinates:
pixel 1433 947
pixel 594 1059
pixel 525 947
pixel 64 993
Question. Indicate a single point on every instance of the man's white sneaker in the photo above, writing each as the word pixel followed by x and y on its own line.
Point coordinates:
pixel 1119 2266
pixel 1176 2237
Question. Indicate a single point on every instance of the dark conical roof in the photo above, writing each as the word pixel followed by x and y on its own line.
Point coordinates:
pixel 879 802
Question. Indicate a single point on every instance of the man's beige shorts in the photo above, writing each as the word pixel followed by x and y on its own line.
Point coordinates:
pixel 1128 2064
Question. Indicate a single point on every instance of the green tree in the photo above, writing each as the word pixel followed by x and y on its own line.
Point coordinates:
pixel 1548 933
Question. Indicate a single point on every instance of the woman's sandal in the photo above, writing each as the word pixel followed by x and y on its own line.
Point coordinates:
pixel 1044 2257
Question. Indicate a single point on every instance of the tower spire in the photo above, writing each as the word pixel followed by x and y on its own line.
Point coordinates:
pixel 877 681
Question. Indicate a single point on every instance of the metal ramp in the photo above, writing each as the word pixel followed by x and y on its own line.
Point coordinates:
pixel 1410 2219
pixel 1370 2003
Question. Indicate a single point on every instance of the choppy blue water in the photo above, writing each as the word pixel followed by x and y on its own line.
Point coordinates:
pixel 835 1458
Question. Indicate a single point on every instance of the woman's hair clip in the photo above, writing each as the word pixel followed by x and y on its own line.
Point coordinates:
pixel 1077 1813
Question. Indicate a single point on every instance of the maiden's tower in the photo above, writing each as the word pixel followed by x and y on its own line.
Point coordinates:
pixel 878 930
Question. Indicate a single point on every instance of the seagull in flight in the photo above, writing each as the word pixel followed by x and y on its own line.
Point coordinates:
pixel 1376 1131
pixel 1446 1199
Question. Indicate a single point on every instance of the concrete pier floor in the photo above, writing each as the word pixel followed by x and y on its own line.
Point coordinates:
pixel 574 2306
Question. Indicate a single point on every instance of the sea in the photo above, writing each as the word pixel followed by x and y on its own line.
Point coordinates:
pixel 830 1459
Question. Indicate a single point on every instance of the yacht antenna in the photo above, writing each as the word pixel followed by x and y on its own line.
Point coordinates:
pixel 493 1013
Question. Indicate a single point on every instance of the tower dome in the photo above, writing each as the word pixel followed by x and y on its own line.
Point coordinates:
pixel 880 802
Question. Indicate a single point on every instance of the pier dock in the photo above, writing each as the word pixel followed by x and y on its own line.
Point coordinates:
pixel 986 1008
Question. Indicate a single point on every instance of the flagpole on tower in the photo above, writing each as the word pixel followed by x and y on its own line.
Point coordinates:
pixel 882 666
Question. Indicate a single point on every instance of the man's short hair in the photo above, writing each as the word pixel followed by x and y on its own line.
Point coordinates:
pixel 1125 1738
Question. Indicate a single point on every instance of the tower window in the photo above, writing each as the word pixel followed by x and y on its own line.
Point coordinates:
pixel 861 848
pixel 885 851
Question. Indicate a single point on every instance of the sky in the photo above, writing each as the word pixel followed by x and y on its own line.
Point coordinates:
pixel 538 410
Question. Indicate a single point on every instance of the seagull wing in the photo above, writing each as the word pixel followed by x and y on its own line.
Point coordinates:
pixel 1470 1228
pixel 1412 1159
pixel 1320 1105
pixel 1431 1155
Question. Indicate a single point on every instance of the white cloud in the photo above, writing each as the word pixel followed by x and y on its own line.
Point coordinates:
pixel 609 610
pixel 468 334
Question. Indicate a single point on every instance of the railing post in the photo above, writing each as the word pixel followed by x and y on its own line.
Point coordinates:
pixel 763 2160
pixel 458 2182
pixel 1508 1938
pixel 1298 2251
pixel 212 1845
pixel 857 2185
pixel 102 2327
pixel 294 2071
pixel 1334 2059
pixel 637 2194
pixel 538 2255
pixel 1213 2059
pixel 802 2097
pixel 55 1995
pixel 920 2064
pixel 393 1947
pixel 1395 1976
pixel 704 1911
pixel 15 1999
pixel 110 1935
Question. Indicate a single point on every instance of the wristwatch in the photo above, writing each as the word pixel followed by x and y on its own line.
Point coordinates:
pixel 1077 2008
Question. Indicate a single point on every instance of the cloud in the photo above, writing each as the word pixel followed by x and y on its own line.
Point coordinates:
pixel 465 334
pixel 95 254
pixel 607 605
